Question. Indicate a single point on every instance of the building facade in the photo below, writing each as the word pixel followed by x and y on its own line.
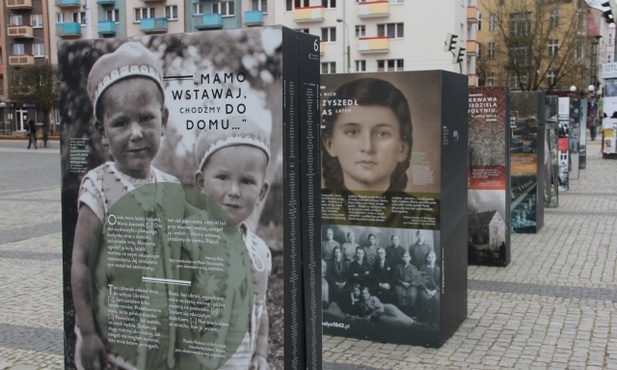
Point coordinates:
pixel 539 45
pixel 25 41
pixel 394 35
pixel 356 36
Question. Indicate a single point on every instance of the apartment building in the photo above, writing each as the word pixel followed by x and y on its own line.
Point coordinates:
pixel 25 41
pixel 356 36
pixel 394 35
pixel 86 19
pixel 549 45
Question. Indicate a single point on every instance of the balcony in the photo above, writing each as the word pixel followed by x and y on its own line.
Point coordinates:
pixel 374 9
pixel 106 2
pixel 20 32
pixel 309 14
pixel 209 21
pixel 107 28
pixel 19 4
pixel 21 60
pixel 68 3
pixel 68 29
pixel 373 45
pixel 473 14
pixel 473 48
pixel 253 18
pixel 153 25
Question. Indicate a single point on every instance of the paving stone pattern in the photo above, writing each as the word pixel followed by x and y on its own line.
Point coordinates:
pixel 554 307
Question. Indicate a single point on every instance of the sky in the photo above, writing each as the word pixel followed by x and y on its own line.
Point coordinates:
pixel 597 3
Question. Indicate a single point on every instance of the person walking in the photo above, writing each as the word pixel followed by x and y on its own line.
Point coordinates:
pixel 592 121
pixel 31 133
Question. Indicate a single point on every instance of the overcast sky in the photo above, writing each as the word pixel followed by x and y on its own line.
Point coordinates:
pixel 596 3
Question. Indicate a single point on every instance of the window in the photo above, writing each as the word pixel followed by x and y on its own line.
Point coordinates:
pixel 171 12
pixel 260 5
pixel 519 56
pixel 391 30
pixel 112 15
pixel 305 30
pixel 581 23
pixel 79 17
pixel 329 4
pixel 520 24
pixel 551 77
pixel 554 18
pixel 38 50
pixel 292 4
pixel 224 8
pixel 18 49
pixel 36 20
pixel 328 34
pixel 396 1
pixel 360 65
pixel 492 22
pixel 199 8
pixel 389 65
pixel 361 30
pixel 491 51
pixel 490 79
pixel 60 17
pixel 141 13
pixel 579 51
pixel 518 82
pixel 328 67
pixel 16 20
pixel 553 46
pixel 479 21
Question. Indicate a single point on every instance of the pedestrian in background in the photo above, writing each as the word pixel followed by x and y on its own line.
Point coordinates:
pixel 31 133
pixel 592 119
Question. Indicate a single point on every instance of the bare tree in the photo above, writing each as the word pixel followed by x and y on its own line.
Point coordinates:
pixel 543 44
pixel 38 84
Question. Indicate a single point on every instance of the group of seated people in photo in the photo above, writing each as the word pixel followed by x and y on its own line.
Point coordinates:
pixel 393 285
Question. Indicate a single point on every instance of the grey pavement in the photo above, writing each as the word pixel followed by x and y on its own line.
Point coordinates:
pixel 553 307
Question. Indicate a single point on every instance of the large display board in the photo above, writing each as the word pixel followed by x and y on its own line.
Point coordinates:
pixel 563 143
pixel 489 176
pixel 574 138
pixel 582 136
pixel 527 161
pixel 394 200
pixel 190 189
pixel 551 166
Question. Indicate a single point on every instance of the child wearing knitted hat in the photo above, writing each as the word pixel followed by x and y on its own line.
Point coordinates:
pixel 232 171
pixel 127 95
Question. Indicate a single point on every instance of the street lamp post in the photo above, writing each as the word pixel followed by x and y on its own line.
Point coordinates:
pixel 346 38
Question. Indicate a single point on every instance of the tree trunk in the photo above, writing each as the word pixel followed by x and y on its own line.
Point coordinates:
pixel 45 128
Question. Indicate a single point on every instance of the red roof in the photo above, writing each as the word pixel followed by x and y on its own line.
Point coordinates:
pixel 592 27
